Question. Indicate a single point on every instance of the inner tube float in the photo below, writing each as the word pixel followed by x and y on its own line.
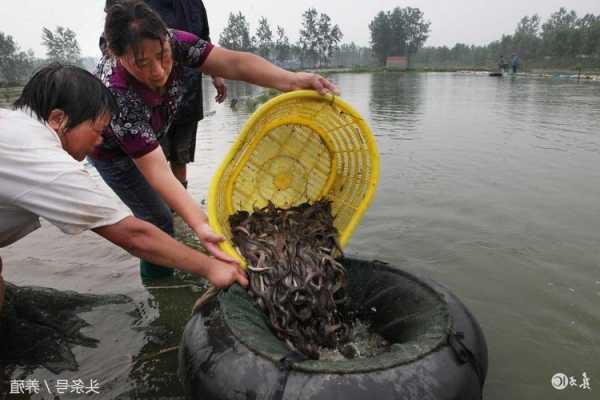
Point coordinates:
pixel 438 350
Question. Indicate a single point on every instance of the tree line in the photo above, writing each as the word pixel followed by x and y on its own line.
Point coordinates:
pixel 317 44
pixel 401 31
pixel 16 66
pixel 563 40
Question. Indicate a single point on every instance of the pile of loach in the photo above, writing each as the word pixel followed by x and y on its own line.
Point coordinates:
pixel 294 275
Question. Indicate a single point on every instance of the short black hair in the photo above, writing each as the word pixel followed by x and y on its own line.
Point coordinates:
pixel 109 4
pixel 75 91
pixel 128 23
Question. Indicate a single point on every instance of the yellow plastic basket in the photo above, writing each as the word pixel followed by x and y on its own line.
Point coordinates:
pixel 297 147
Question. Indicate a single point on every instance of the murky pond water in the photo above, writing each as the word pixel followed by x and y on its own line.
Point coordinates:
pixel 489 186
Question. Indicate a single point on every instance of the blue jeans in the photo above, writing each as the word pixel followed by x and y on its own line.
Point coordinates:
pixel 126 180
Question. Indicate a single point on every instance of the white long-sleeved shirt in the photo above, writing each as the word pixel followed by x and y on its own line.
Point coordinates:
pixel 38 178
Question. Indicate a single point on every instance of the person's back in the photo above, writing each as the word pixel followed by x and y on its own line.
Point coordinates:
pixel 185 15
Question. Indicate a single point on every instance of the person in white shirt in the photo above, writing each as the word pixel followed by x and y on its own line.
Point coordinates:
pixel 57 120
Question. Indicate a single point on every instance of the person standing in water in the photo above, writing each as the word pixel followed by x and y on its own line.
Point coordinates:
pixel 58 118
pixel 515 62
pixel 145 72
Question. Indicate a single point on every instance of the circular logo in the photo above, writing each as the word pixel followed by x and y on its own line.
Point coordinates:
pixel 560 381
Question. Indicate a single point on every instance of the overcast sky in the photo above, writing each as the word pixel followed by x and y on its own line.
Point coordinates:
pixel 465 21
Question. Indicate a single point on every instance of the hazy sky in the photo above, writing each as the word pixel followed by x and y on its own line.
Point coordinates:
pixel 466 21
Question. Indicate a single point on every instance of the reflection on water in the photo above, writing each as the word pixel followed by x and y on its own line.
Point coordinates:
pixel 490 186
pixel 395 99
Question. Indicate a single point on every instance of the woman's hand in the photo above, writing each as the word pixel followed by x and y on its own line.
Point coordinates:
pixel 222 275
pixel 211 241
pixel 219 84
pixel 305 80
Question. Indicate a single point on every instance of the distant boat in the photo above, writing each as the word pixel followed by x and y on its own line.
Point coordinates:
pixel 499 74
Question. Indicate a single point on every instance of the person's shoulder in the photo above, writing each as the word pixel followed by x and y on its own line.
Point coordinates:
pixel 31 148
pixel 19 125
pixel 15 115
pixel 184 37
pixel 112 74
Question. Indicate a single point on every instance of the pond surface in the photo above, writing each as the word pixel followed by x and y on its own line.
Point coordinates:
pixel 490 186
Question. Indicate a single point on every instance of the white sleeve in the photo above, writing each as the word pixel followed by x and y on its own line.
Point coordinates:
pixel 75 202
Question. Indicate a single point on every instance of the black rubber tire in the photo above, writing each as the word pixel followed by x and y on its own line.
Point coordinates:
pixel 214 364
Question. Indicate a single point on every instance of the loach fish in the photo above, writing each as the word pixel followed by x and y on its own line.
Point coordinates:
pixel 295 277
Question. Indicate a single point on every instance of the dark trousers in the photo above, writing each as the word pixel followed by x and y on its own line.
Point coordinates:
pixel 126 180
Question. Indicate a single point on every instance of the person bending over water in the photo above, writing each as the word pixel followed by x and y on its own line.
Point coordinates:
pixel 57 120
pixel 144 71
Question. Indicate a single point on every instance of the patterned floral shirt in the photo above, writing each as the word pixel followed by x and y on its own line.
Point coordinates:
pixel 145 115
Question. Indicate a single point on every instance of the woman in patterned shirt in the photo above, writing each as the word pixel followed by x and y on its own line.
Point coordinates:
pixel 145 74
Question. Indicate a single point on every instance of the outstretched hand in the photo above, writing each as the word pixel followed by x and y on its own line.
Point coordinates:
pixel 224 270
pixel 211 241
pixel 305 80
pixel 222 275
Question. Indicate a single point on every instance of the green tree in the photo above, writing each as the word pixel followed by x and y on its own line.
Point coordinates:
pixel 400 32
pixel 593 43
pixel 236 35
pixel 563 36
pixel 264 38
pixel 319 38
pixel 15 65
pixel 526 41
pixel 282 45
pixel 61 45
pixel 529 25
pixel 328 37
pixel 381 32
pixel 558 33
pixel 309 40
pixel 589 34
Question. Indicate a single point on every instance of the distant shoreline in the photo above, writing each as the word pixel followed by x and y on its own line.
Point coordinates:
pixel 535 72
pixel 9 94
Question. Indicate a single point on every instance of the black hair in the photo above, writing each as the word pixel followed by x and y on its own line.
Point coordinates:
pixel 128 23
pixel 75 91
pixel 109 4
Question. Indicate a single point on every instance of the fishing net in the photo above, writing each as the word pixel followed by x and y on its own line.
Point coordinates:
pixel 40 326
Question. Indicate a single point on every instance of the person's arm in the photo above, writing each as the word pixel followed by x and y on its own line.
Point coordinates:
pixel 219 84
pixel 146 241
pixel 251 68
pixel 156 170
